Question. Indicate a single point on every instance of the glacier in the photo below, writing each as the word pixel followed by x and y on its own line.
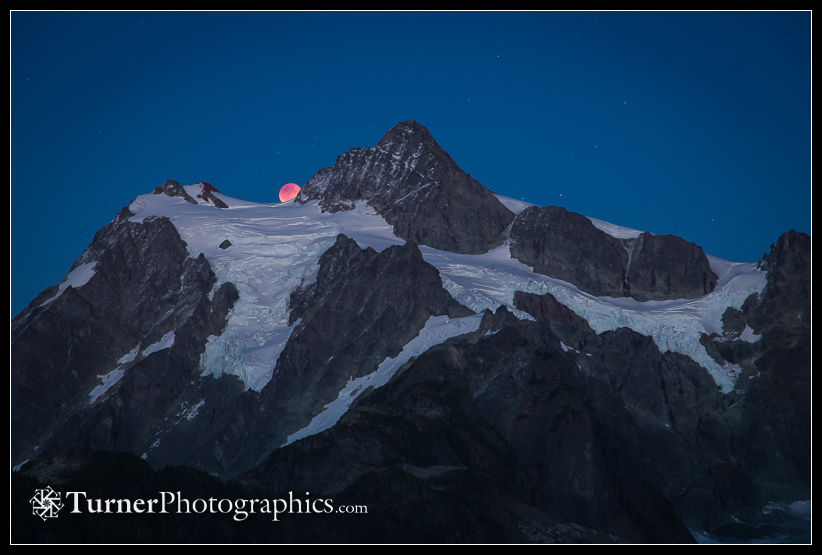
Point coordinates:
pixel 275 247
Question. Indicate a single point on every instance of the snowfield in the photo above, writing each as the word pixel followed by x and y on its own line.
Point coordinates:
pixel 275 247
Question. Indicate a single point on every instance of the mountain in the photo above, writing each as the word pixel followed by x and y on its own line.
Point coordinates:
pixel 417 188
pixel 469 367
pixel 644 266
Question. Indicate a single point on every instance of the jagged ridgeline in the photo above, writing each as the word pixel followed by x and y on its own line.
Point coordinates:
pixel 470 367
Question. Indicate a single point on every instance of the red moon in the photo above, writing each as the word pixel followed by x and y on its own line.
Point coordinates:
pixel 289 191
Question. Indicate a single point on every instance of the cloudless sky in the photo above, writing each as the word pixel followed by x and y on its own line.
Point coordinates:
pixel 691 123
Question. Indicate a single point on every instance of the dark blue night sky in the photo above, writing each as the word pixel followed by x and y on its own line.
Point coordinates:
pixel 696 124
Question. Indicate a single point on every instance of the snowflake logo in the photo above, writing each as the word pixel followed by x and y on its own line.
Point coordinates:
pixel 46 503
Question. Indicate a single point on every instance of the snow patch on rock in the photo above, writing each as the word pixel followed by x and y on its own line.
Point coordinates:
pixel 437 330
pixel 163 343
pixel 76 278
pixel 617 231
pixel 107 381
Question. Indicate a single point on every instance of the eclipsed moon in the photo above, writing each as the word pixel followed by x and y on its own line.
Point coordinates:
pixel 289 191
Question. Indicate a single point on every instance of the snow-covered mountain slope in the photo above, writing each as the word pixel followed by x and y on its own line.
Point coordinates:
pixel 275 247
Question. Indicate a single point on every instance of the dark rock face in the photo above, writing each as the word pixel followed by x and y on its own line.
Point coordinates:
pixel 173 188
pixel 693 462
pixel 505 420
pixel 416 186
pixel 733 322
pixel 207 191
pixel 690 459
pixel 772 422
pixel 567 246
pixel 667 388
pixel 785 305
pixel 669 267
pixel 225 244
pixel 724 454
pixel 144 287
pixel 362 307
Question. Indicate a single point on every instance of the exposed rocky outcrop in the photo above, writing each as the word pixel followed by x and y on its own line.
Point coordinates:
pixel 771 423
pixel 673 395
pixel 746 448
pixel 416 186
pixel 207 191
pixel 172 188
pixel 362 307
pixel 769 338
pixel 733 322
pixel 668 267
pixel 502 419
pixel 567 246
pixel 141 320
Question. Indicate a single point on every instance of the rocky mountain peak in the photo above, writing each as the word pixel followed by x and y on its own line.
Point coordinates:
pixel 206 193
pixel 172 188
pixel 408 136
pixel 415 185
